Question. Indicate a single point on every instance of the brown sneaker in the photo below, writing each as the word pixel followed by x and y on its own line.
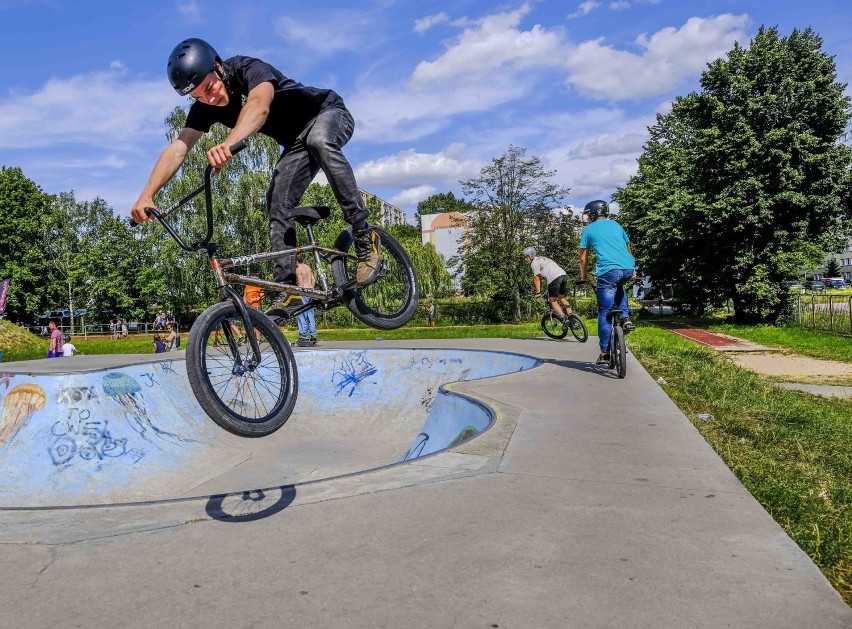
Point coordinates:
pixel 603 359
pixel 367 249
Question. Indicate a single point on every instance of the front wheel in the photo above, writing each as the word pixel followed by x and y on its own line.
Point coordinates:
pixel 391 300
pixel 619 351
pixel 245 399
pixel 578 327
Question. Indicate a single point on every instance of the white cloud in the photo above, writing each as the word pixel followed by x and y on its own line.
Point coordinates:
pixel 490 63
pixel 327 32
pixel 408 169
pixel 584 9
pixel 190 10
pixel 602 182
pixel 493 45
pixel 668 56
pixel 608 144
pixel 617 6
pixel 411 197
pixel 102 108
pixel 424 24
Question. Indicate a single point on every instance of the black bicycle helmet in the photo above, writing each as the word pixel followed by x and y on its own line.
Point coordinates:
pixel 67 338
pixel 190 61
pixel 595 209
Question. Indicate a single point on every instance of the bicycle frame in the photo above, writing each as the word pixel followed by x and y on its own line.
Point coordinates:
pixel 324 295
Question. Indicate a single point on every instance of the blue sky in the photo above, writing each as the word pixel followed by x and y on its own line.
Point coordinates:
pixel 437 88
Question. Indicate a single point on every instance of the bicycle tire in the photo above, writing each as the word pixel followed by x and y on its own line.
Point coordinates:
pixel 391 300
pixel 619 353
pixel 256 403
pixel 553 327
pixel 578 327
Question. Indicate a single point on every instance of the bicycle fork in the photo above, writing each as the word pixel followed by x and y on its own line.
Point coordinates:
pixel 226 293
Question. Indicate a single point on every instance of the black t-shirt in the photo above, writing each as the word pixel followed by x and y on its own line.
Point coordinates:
pixel 293 106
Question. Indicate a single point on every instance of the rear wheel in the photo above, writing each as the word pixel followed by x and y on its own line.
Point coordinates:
pixel 553 327
pixel 577 327
pixel 619 351
pixel 247 400
pixel 391 300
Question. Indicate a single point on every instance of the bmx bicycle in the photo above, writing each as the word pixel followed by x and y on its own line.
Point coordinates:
pixel 249 388
pixel 617 347
pixel 553 327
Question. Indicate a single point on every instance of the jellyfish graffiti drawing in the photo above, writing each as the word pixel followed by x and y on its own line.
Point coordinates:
pixel 20 404
pixel 124 390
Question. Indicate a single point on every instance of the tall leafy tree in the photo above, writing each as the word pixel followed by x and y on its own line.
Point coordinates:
pixel 511 203
pixel 24 208
pixel 744 183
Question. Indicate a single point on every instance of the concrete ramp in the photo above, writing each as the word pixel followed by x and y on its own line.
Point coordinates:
pixel 135 432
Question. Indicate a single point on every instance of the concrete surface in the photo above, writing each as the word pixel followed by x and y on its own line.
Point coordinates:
pixel 591 502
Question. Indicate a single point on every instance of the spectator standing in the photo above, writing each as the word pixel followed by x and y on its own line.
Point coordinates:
pixel 430 314
pixel 113 328
pixel 307 320
pixel 54 350
pixel 123 322
pixel 172 338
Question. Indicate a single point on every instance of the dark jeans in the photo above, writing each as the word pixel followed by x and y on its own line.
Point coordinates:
pixel 317 147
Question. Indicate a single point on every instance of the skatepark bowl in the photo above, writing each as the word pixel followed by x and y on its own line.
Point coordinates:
pixel 135 433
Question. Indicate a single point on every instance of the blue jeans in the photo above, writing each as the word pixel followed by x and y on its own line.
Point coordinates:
pixel 609 291
pixel 307 321
pixel 318 146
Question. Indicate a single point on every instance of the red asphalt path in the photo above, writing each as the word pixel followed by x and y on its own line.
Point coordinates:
pixel 710 339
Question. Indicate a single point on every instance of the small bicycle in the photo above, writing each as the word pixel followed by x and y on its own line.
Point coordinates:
pixel 555 328
pixel 249 386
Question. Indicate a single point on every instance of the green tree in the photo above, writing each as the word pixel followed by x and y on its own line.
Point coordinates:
pixel 832 268
pixel 511 203
pixel 23 210
pixel 744 183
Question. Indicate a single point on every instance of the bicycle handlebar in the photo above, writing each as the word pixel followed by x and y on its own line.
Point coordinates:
pixel 160 216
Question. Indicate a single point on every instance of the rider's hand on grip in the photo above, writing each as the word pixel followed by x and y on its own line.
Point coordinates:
pixel 132 221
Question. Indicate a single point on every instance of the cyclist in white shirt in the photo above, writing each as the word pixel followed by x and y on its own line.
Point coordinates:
pixel 557 281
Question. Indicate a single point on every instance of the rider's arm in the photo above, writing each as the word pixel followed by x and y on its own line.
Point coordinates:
pixel 252 116
pixel 537 284
pixel 584 258
pixel 167 165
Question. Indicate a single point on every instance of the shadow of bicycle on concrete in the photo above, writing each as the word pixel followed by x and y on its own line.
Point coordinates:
pixel 577 365
pixel 251 505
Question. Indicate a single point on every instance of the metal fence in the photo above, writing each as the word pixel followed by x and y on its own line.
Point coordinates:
pixel 824 312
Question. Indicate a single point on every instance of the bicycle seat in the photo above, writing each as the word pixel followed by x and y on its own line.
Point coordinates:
pixel 309 215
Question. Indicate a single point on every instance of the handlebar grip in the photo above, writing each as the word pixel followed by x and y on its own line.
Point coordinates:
pixel 133 223
pixel 239 146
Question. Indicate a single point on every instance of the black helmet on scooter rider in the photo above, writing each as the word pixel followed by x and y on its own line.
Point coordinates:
pixel 595 209
pixel 191 61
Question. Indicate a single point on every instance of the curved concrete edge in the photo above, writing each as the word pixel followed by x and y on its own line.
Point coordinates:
pixel 478 455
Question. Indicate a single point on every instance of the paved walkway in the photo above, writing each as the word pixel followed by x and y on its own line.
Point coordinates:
pixel 592 502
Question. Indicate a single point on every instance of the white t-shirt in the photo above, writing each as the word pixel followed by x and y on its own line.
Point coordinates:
pixel 547 268
pixel 68 349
